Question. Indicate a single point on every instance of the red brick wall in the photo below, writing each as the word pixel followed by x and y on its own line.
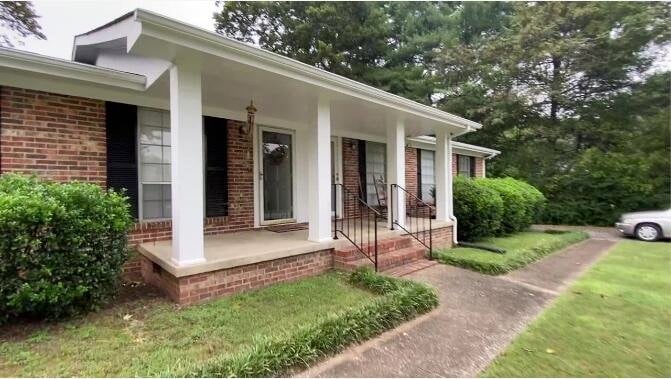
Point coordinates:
pixel 479 167
pixel 196 288
pixel 350 172
pixel 240 195
pixel 58 137
pixel 411 156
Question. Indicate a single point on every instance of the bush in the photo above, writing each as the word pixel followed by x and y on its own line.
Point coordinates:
pixel 62 246
pixel 477 207
pixel 522 203
pixel 401 300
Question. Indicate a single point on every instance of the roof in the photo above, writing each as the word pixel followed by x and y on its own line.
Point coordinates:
pixel 179 33
pixel 23 60
pixel 429 142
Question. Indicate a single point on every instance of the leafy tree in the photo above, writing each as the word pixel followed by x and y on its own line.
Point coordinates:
pixel 18 17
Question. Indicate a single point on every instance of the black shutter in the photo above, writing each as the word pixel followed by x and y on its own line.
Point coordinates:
pixel 472 166
pixel 216 166
pixel 420 192
pixel 121 130
pixel 362 170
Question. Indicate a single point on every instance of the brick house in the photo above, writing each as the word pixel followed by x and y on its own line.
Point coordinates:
pixel 228 194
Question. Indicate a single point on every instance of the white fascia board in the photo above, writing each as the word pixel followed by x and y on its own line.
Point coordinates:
pixel 429 143
pixel 173 31
pixel 36 63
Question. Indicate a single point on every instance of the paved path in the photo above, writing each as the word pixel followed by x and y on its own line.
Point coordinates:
pixel 478 317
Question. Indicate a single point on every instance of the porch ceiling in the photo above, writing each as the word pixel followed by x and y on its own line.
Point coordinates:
pixel 234 73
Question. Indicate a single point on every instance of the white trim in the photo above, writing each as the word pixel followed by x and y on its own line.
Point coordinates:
pixel 26 61
pixel 179 33
pixel 338 164
pixel 429 143
pixel 294 185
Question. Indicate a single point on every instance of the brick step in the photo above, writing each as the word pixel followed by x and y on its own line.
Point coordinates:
pixel 409 268
pixel 386 261
pixel 349 252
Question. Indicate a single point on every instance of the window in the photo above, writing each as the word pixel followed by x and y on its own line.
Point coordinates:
pixel 376 161
pixel 465 165
pixel 154 153
pixel 426 174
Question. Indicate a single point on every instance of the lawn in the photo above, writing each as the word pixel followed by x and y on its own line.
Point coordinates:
pixel 150 336
pixel 614 322
pixel 521 249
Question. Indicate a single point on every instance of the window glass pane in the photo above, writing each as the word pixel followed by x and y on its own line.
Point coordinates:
pixel 166 154
pixel 152 192
pixel 375 170
pixel 428 179
pixel 464 165
pixel 167 211
pixel 151 117
pixel 152 209
pixel 150 135
pixel 166 173
pixel 167 192
pixel 166 137
pixel 152 173
pixel 150 154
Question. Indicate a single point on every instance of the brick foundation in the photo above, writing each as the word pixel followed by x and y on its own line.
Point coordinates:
pixel 57 137
pixel 200 287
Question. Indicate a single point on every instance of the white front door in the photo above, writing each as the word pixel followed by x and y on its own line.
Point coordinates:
pixel 276 179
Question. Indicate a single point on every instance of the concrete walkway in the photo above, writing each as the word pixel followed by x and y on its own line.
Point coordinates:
pixel 478 317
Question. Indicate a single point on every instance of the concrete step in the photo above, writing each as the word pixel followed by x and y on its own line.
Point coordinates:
pixel 348 252
pixel 386 261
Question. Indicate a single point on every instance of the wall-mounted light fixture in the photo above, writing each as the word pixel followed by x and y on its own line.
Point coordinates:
pixel 251 112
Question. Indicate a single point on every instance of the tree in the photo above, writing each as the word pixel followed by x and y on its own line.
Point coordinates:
pixel 18 17
pixel 387 45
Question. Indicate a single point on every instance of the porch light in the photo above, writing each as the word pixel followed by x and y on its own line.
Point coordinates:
pixel 251 111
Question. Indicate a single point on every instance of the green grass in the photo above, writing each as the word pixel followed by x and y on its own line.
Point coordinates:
pixel 614 322
pixel 521 249
pixel 159 337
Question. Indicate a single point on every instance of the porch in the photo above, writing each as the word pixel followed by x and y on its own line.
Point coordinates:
pixel 244 248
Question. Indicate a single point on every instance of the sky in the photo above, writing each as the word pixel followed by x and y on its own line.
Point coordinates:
pixel 62 20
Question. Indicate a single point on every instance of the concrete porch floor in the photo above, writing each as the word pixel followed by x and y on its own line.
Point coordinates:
pixel 235 249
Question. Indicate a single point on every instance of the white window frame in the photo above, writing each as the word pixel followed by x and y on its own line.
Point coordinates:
pixel 139 165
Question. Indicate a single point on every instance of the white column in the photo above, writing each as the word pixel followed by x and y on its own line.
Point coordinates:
pixel 319 175
pixel 443 176
pixel 187 163
pixel 396 170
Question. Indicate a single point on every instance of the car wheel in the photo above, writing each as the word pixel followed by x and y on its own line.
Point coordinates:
pixel 648 232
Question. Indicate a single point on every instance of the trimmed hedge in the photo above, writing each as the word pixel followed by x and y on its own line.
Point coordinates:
pixel 402 300
pixel 62 246
pixel 477 207
pixel 487 207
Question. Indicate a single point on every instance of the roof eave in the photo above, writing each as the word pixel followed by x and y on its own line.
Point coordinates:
pixel 311 74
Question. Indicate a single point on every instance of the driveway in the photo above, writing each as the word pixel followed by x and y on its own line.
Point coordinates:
pixel 478 317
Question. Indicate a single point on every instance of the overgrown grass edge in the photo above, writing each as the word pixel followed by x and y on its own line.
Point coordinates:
pixel 401 300
pixel 533 254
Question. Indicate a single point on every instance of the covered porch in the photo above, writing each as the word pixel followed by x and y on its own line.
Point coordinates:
pixel 296 129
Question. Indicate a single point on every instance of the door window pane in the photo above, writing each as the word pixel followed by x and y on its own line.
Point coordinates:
pixel 376 162
pixel 277 175
pixel 428 175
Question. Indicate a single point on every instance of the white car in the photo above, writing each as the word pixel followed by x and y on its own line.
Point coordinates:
pixel 646 226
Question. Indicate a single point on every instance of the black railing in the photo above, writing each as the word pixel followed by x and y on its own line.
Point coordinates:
pixel 357 223
pixel 417 215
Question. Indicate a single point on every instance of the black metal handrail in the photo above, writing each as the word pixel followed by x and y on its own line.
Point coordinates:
pixel 413 206
pixel 356 215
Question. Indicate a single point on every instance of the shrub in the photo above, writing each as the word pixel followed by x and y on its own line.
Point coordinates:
pixel 522 203
pixel 477 207
pixel 62 246
pixel 401 300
